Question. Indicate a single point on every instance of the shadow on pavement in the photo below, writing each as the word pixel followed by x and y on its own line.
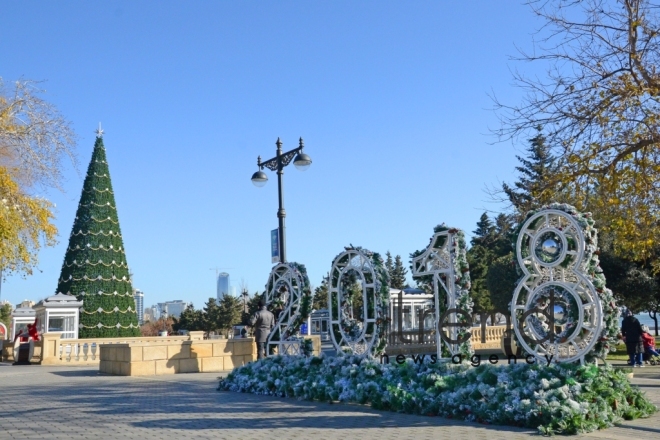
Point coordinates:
pixel 211 409
pixel 322 421
pixel 81 373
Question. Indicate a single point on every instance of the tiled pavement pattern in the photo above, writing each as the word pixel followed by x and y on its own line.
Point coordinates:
pixel 78 403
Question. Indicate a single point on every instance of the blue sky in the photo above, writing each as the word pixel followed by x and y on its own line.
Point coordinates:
pixel 391 99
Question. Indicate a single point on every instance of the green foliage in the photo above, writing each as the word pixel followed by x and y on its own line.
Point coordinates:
pixel 501 281
pixel 396 271
pixel 211 316
pixel 307 347
pixel 5 315
pixel 320 298
pixel 490 242
pixel 536 170
pixel 389 264
pixel 95 268
pixel 633 282
pixel 398 274
pixel 252 307
pixel 484 231
pixel 229 312
pixel 190 319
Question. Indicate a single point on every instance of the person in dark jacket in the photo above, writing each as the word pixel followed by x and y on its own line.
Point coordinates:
pixel 262 322
pixel 631 330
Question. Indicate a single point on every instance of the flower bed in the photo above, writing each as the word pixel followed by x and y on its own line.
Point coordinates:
pixel 557 399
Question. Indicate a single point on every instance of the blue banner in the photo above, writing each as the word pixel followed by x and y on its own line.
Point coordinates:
pixel 275 246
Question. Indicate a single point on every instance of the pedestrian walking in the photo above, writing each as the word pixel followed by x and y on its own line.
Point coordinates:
pixel 631 330
pixel 263 321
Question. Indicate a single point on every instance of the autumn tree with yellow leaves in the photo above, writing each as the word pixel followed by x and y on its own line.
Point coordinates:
pixel 599 108
pixel 34 140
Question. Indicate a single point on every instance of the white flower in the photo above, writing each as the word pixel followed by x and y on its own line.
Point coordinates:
pixel 573 404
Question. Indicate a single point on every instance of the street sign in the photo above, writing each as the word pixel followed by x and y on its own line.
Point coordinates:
pixel 275 245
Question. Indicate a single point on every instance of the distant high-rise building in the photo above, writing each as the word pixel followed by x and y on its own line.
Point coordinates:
pixel 223 284
pixel 153 312
pixel 149 314
pixel 139 305
pixel 172 308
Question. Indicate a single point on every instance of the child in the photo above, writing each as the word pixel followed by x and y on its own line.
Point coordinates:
pixel 649 342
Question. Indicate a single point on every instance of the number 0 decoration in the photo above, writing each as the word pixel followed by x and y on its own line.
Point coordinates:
pixel 358 297
pixel 561 309
pixel 288 296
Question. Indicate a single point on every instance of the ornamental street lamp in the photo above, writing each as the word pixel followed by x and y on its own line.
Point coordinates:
pixel 301 161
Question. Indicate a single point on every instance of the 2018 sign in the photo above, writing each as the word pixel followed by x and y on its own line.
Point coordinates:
pixel 560 308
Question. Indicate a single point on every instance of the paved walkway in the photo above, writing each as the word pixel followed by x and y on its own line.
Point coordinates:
pixel 79 403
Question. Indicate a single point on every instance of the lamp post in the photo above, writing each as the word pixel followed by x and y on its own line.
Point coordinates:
pixel 301 161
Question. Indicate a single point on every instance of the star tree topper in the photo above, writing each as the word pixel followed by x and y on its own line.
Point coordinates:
pixel 99 131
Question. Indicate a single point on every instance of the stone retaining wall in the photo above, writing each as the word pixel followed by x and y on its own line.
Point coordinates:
pixel 172 357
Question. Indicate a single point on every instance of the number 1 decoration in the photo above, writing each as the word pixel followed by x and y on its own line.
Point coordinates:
pixel 445 260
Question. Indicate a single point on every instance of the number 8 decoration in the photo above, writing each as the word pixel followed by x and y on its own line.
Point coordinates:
pixel 561 309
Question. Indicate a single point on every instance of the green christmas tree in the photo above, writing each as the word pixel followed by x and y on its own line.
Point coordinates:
pixel 95 268
pixel 535 186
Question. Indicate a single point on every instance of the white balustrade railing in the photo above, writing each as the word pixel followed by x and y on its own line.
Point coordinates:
pixel 87 351
pixel 493 338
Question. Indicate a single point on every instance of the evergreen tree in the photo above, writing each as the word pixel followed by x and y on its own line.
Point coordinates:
pixel 252 307
pixel 501 281
pixel 489 243
pixel 398 275
pixel 320 298
pixel 389 264
pixel 190 319
pixel 211 316
pixel 229 313
pixel 479 257
pixel 502 235
pixel 535 170
pixel 95 268
pixel 483 233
